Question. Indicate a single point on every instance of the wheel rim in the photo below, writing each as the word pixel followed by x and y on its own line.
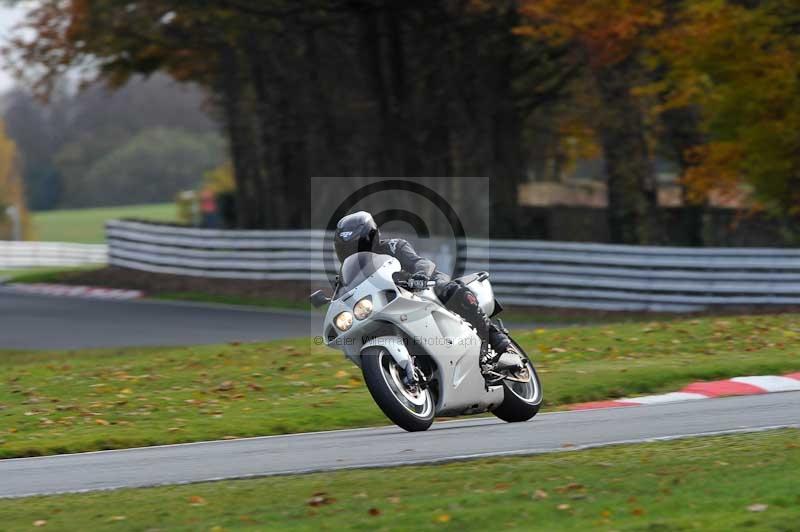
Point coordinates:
pixel 418 402
pixel 530 390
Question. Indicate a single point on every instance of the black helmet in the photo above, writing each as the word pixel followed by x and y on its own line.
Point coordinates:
pixel 355 232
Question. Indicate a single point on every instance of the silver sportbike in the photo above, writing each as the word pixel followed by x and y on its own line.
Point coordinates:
pixel 419 359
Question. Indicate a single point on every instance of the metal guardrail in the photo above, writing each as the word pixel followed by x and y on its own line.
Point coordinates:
pixel 530 273
pixel 636 278
pixel 22 254
pixel 256 255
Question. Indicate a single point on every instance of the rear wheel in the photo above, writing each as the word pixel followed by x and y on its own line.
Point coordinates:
pixel 522 397
pixel 410 408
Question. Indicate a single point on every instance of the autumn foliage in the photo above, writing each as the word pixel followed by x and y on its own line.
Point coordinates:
pixel 455 87
pixel 11 189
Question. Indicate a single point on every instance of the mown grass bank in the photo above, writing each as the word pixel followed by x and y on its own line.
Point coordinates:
pixel 71 401
pixel 746 482
pixel 88 225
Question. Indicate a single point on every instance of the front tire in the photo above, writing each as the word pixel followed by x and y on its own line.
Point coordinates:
pixel 521 401
pixel 411 410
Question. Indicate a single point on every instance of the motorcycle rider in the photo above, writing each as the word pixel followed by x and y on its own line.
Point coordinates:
pixel 358 232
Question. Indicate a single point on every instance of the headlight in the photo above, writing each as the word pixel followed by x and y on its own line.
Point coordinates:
pixel 363 308
pixel 343 321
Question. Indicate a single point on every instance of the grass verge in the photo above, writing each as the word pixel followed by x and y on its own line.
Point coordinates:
pixel 201 297
pixel 44 275
pixel 60 402
pixel 716 483
pixel 88 225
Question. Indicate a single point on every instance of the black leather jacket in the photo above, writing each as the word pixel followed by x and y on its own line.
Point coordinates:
pixel 412 263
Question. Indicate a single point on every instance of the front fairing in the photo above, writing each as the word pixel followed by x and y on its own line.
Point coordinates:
pixel 392 305
pixel 379 286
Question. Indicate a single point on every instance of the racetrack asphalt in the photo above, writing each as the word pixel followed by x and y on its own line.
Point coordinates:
pixel 390 446
pixel 37 321
pixel 32 321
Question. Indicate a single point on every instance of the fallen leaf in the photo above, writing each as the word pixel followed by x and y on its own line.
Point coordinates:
pixel 196 500
pixel 320 499
pixel 117 518
pixel 540 494
pixel 443 518
pixel 39 522
pixel 637 511
pixel 341 374
pixel 374 511
pixel 225 386
pixel 758 507
pixel 572 486
pixel 563 506
pixel 101 422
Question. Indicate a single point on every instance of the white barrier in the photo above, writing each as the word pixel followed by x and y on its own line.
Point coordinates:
pixel 550 274
pixel 256 255
pixel 635 278
pixel 55 254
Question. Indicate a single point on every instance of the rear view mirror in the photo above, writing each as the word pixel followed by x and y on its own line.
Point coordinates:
pixel 319 299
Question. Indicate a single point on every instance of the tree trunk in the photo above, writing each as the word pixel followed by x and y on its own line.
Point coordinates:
pixel 632 189
pixel 683 132
pixel 507 168
pixel 236 105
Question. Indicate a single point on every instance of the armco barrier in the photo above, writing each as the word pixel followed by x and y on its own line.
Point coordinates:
pixel 55 254
pixel 257 255
pixel 550 274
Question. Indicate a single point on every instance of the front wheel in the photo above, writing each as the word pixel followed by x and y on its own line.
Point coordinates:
pixel 522 397
pixel 410 409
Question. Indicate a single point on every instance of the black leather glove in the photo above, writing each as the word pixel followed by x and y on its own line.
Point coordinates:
pixel 418 281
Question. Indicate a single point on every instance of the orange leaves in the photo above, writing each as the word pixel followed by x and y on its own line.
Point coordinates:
pixel 715 169
pixel 320 499
pixel 196 500
pixel 607 31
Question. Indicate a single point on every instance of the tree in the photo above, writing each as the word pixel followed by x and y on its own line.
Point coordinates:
pixel 607 40
pixel 35 134
pixel 11 190
pixel 152 166
pixel 740 64
pixel 59 142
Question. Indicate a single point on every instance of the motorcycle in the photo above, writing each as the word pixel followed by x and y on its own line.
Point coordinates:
pixel 419 359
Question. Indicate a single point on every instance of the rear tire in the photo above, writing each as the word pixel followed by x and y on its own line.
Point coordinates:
pixel 521 401
pixel 411 411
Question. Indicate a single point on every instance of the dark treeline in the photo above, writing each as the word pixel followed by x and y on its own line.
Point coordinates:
pixel 374 89
pixel 334 88
pixel 451 88
pixel 141 143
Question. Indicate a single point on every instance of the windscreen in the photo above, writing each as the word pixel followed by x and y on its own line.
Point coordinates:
pixel 358 267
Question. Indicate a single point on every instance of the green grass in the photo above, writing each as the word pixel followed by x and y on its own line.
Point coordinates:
pixel 723 483
pixel 87 225
pixel 201 297
pixel 518 316
pixel 58 402
pixel 42 275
